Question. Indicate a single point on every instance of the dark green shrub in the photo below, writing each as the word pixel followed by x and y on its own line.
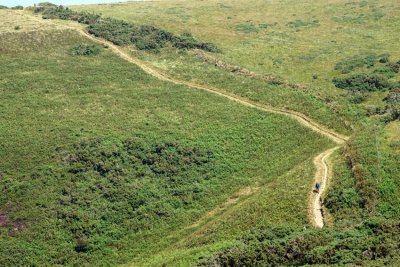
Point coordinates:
pixel 362 82
pixel 357 98
pixel 384 58
pixel 46 4
pixel 3 7
pixel 393 105
pixel 17 27
pixel 18 8
pixel 395 66
pixel 295 247
pixel 119 32
pixel 386 71
pixel 85 50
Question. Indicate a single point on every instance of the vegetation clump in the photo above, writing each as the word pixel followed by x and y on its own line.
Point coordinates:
pixel 119 32
pixel 393 105
pixel 362 82
pixel 284 246
pixel 85 50
pixel 15 7
pixel 395 66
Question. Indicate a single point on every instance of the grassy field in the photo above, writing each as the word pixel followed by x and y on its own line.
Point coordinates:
pixel 99 159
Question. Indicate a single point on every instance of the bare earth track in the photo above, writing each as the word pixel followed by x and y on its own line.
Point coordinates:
pixel 321 175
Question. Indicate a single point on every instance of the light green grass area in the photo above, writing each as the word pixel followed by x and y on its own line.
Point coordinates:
pixel 56 108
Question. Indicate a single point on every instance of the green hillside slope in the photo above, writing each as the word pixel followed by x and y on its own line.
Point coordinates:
pixel 99 159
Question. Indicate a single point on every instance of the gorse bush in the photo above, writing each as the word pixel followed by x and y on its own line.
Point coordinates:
pixel 363 82
pixel 395 66
pixel 393 105
pixel 386 71
pixel 119 32
pixel 15 7
pixel 112 185
pixel 281 246
pixel 85 50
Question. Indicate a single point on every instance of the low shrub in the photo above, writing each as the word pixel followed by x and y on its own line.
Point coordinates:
pixel 395 66
pixel 85 50
pixel 384 58
pixel 119 32
pixel 363 82
pixel 386 71
pixel 393 105
pixel 18 8
pixel 280 246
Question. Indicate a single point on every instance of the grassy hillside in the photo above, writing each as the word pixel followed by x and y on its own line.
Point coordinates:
pixel 98 159
pixel 338 63
pixel 103 164
pixel 302 42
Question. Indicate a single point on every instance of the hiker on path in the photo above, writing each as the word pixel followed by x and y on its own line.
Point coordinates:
pixel 317 187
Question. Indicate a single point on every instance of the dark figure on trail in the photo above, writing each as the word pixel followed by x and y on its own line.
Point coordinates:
pixel 317 187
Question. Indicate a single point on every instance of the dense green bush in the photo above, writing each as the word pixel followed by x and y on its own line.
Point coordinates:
pixel 18 8
pixel 393 105
pixel 280 246
pixel 119 32
pixel 15 7
pixel 116 31
pixel 386 71
pixel 85 50
pixel 108 186
pixel 395 66
pixel 362 161
pixel 362 82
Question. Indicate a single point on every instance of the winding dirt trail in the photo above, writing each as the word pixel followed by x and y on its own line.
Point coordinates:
pixel 321 175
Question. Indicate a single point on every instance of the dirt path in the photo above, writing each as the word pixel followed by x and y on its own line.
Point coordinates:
pixel 321 175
